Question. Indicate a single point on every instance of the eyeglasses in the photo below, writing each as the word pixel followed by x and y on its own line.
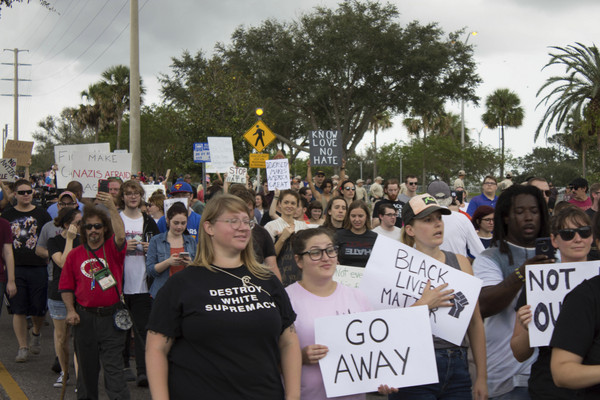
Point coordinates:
pixel 412 183
pixel 236 223
pixel 490 183
pixel 350 188
pixel 63 204
pixel 24 192
pixel 132 194
pixel 487 219
pixel 569 234
pixel 89 227
pixel 390 215
pixel 317 254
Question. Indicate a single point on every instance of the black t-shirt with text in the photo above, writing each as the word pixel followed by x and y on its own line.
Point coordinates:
pixel 25 228
pixel 354 250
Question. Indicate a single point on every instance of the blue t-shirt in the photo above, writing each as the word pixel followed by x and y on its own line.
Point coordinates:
pixel 193 225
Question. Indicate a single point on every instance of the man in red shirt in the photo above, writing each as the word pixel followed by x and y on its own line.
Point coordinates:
pixel 91 286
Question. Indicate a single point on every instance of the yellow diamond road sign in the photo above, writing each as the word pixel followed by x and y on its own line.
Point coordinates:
pixel 259 136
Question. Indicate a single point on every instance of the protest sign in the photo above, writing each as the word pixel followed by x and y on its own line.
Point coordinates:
pixel 396 275
pixel 149 189
pixel 20 150
pixel 89 167
pixel 236 175
pixel 221 154
pixel 278 174
pixel 373 348
pixel 546 286
pixel 201 153
pixel 325 147
pixel 169 202
pixel 348 276
pixel 7 169
pixel 257 160
pixel 63 157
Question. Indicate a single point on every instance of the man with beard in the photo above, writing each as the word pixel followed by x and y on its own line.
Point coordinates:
pixel 520 218
pixel 91 287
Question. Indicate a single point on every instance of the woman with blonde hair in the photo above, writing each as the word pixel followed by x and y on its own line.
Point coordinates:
pixel 224 326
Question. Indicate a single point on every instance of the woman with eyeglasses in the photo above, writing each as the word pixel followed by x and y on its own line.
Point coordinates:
pixel 59 247
pixel 317 295
pixel 571 234
pixel 224 326
pixel 171 251
pixel 347 190
pixel 483 222
pixel 356 240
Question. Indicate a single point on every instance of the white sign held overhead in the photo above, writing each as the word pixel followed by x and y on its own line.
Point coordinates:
pixel 150 189
pixel 63 156
pixel 169 202
pixel 278 174
pixel 373 348
pixel 236 175
pixel 396 275
pixel 547 285
pixel 7 169
pixel 88 168
pixel 221 154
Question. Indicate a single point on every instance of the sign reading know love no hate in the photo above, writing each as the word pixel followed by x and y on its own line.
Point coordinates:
pixel 373 348
pixel 325 147
pixel 547 285
pixel 396 275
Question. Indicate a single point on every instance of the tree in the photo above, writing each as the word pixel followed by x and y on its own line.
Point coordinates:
pixel 503 110
pixel 381 121
pixel 337 69
pixel 552 163
pixel 578 91
pixel 575 138
pixel 9 3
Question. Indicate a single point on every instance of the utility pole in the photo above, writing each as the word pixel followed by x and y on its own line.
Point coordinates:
pixel 16 89
pixel 135 147
pixel 4 135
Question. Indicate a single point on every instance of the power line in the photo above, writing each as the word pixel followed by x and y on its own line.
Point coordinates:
pixel 54 27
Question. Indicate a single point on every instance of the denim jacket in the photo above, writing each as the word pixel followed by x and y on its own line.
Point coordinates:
pixel 158 251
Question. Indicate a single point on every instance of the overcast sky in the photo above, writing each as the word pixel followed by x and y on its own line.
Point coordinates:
pixel 70 48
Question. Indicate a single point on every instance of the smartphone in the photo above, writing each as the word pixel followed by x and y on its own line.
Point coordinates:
pixel 184 254
pixel 544 246
pixel 103 185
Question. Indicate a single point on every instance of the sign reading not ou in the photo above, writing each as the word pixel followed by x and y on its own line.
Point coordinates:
pixel 325 147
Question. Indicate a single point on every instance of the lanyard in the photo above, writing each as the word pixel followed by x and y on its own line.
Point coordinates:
pixel 96 261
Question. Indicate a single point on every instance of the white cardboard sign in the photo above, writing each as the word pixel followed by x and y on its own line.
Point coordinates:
pixel 547 285
pixel 7 169
pixel 150 189
pixel 396 275
pixel 63 156
pixel 169 202
pixel 278 174
pixel 221 154
pixel 236 175
pixel 89 167
pixel 348 276
pixel 373 348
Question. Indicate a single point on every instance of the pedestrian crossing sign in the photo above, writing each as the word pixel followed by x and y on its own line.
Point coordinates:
pixel 259 136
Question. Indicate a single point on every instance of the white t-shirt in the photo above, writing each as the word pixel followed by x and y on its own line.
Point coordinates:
pixel 308 307
pixel 393 234
pixel 459 233
pixel 134 274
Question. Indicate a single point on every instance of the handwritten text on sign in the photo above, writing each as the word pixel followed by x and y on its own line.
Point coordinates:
pixel 396 275
pixel 325 147
pixel 547 285
pixel 348 276
pixel 89 167
pixel 63 156
pixel 371 348
pixel 7 169
pixel 236 175
pixel 278 174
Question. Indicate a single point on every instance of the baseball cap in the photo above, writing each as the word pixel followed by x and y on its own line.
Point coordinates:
pixel 67 193
pixel 181 187
pixel 379 178
pixel 509 174
pixel 320 173
pixel 439 189
pixel 360 181
pixel 421 206
pixel 461 172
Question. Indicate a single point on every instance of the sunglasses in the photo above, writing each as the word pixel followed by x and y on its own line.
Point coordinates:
pixel 94 226
pixel 350 188
pixel 24 192
pixel 412 183
pixel 548 193
pixel 569 234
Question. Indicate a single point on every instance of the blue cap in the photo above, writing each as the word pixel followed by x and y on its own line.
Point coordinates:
pixel 181 187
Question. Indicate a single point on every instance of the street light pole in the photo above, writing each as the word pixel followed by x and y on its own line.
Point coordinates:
pixel 462 117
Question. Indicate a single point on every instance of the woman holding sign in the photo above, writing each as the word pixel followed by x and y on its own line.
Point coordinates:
pixel 424 230
pixel 571 234
pixel 317 295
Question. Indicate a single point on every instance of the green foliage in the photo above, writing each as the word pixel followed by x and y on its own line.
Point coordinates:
pixel 9 4
pixel 554 165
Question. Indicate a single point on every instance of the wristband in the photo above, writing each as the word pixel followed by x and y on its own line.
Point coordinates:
pixel 519 275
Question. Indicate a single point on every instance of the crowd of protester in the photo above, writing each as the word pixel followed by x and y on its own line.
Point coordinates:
pixel 222 286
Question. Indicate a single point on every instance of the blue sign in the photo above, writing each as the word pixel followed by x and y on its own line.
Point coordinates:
pixel 201 153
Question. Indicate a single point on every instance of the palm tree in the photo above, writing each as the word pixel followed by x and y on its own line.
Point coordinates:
pixel 381 121
pixel 575 138
pixel 577 91
pixel 503 109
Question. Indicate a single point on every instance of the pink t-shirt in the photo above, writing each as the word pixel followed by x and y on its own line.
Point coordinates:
pixel 308 307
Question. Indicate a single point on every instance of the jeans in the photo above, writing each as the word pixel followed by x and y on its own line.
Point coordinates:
pixel 453 375
pixel 518 393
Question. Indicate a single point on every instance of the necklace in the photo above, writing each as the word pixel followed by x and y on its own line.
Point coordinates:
pixel 245 279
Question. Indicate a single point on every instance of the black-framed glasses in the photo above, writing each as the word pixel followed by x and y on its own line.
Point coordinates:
pixel 24 192
pixel 236 223
pixel 89 227
pixel 350 188
pixel 317 254
pixel 490 183
pixel 487 219
pixel 569 234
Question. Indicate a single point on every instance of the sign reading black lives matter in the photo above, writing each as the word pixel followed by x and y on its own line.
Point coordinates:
pixel 547 285
pixel 373 348
pixel 325 147
pixel 396 275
